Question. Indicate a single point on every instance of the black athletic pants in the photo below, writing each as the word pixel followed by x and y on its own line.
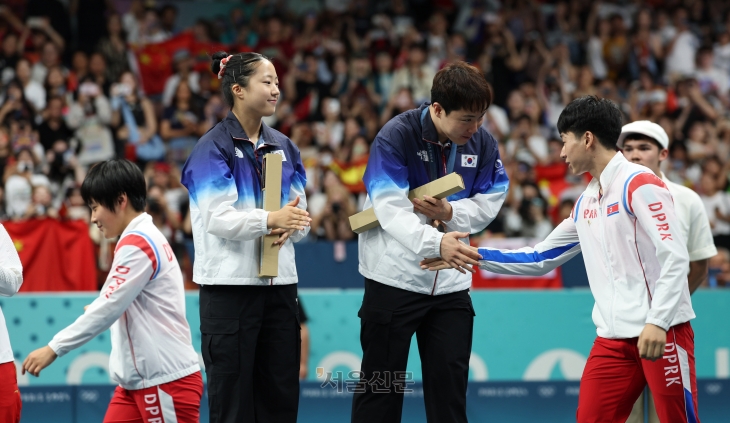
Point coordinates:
pixel 251 346
pixel 443 326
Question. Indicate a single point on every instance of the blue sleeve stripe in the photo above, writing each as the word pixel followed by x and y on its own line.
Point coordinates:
pixel 535 257
pixel 577 209
pixel 623 195
pixel 154 248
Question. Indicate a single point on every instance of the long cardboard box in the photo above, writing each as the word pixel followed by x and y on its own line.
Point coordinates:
pixel 440 188
pixel 269 257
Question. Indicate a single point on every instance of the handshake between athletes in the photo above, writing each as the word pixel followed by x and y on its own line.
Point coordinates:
pixel 455 254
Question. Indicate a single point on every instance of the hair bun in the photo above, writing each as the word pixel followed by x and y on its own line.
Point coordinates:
pixel 216 58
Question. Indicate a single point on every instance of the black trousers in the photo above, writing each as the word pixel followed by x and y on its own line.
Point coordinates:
pixel 443 326
pixel 251 347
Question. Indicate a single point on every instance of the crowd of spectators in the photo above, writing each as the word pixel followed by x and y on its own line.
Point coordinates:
pixel 71 94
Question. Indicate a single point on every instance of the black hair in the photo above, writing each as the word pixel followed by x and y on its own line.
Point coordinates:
pixel 461 86
pixel 705 49
pixel 599 116
pixel 641 137
pixel 167 7
pixel 714 159
pixel 238 70
pixel 677 145
pixel 108 180
pixel 524 116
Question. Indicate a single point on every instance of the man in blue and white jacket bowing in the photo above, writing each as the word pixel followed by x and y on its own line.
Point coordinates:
pixel 412 149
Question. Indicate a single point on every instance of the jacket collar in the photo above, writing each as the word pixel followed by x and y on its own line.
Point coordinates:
pixel 428 129
pixel 137 222
pixel 236 130
pixel 609 173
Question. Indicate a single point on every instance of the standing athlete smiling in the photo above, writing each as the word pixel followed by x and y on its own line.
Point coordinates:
pixel 250 325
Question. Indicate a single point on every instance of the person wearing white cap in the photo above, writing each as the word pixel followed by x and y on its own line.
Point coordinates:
pixel 646 143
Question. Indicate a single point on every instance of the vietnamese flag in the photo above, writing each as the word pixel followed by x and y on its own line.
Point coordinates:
pixel 56 255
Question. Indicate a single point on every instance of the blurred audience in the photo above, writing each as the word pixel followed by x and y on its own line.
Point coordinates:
pixel 71 96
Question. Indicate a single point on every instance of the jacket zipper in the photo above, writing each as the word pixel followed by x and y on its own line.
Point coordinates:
pixel 605 254
pixel 256 157
pixel 443 163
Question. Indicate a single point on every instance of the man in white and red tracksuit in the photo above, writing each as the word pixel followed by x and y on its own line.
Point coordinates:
pixel 625 225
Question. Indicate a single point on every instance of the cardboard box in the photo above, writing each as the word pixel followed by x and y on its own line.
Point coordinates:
pixel 440 188
pixel 271 187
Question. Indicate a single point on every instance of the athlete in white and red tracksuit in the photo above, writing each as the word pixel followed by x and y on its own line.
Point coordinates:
pixel 637 260
pixel 143 302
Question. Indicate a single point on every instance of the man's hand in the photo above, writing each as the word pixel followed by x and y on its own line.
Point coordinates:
pixel 289 217
pixel 434 264
pixel 284 234
pixel 651 342
pixel 458 255
pixel 38 360
pixel 433 208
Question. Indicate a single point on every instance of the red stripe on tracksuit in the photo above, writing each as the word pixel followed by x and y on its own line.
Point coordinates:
pixel 615 376
pixel 176 401
pixel 141 243
pixel 642 179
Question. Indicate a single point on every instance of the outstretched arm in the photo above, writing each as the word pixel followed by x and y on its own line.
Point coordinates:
pixel 133 267
pixel 560 246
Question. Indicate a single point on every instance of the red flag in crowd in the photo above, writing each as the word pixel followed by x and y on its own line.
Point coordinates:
pixel 56 255
pixel 156 64
pixel 155 61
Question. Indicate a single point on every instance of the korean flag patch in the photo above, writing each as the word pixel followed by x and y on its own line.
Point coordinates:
pixel 281 153
pixel 468 160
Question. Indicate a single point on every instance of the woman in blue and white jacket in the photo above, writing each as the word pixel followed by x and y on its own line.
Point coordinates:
pixel 249 325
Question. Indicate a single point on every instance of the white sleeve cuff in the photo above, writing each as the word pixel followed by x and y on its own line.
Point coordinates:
pixel 703 253
pixel 437 247
pixel 264 225
pixel 56 348
pixel 658 322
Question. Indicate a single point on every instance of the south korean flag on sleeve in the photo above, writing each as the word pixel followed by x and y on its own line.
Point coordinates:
pixel 468 160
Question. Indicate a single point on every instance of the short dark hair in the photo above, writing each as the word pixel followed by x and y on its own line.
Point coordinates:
pixel 461 86
pixel 633 136
pixel 107 181
pixel 601 116
pixel 238 70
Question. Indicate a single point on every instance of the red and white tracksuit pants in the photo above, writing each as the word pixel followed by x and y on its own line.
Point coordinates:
pixel 615 376
pixel 174 402
pixel 10 404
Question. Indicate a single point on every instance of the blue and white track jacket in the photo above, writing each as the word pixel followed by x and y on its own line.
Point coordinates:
pixel 223 179
pixel 633 248
pixel 399 162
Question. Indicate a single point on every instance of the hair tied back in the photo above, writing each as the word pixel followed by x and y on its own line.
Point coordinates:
pixel 224 61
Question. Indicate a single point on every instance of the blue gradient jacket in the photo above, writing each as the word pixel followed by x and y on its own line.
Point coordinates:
pixel 222 176
pixel 399 162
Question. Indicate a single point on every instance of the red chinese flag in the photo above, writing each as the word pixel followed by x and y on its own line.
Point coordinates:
pixel 201 52
pixel 56 256
pixel 155 61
